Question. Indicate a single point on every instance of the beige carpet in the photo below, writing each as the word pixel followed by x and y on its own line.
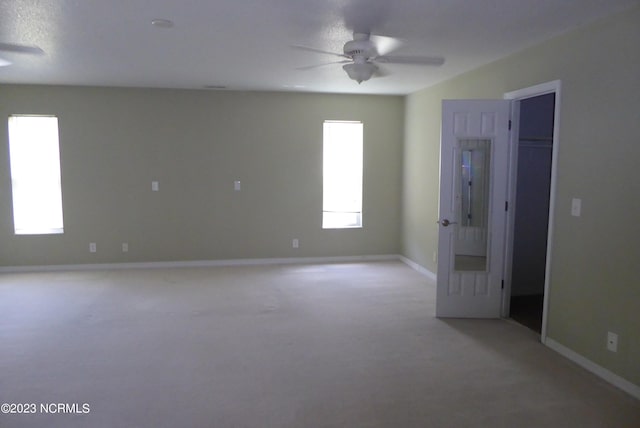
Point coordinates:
pixel 344 345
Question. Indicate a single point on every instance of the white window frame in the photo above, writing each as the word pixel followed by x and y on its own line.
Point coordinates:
pixel 36 185
pixel 342 174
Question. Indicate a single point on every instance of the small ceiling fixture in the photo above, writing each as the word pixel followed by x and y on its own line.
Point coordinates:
pixel 162 23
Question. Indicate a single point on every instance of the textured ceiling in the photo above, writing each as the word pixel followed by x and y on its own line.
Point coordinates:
pixel 246 44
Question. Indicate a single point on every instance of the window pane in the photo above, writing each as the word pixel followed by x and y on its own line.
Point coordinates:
pixel 342 174
pixel 35 174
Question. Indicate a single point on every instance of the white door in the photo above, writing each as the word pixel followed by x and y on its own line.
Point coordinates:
pixel 474 158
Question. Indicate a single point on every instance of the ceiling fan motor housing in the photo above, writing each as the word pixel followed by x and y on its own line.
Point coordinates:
pixel 360 48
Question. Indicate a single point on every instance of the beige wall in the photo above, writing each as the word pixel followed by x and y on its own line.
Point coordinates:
pixel 114 142
pixel 595 278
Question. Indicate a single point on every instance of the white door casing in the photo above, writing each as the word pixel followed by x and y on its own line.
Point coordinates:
pixel 472 292
pixel 515 97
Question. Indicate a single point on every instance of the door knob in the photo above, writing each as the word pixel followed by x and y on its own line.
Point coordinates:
pixel 445 222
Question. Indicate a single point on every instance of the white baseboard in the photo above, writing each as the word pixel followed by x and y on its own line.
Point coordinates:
pixel 421 269
pixel 199 263
pixel 594 368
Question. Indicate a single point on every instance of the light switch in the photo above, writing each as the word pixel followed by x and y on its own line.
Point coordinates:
pixel 576 207
pixel 155 186
pixel 236 185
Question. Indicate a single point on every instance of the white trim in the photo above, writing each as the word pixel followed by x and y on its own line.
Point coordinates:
pixel 512 174
pixel 199 263
pixel 52 231
pixel 418 268
pixel 594 368
pixel 534 91
pixel 520 94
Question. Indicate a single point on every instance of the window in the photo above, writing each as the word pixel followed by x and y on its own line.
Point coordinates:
pixel 342 175
pixel 35 175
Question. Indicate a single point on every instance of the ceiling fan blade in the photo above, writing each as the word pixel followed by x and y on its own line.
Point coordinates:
pixel 310 67
pixel 11 47
pixel 305 48
pixel 381 72
pixel 384 44
pixel 411 60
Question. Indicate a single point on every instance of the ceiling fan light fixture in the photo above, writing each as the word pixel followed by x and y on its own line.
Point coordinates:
pixel 360 72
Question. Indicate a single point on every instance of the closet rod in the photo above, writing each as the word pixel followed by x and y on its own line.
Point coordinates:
pixel 535 138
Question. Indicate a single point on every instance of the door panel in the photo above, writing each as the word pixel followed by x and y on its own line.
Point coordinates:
pixel 473 190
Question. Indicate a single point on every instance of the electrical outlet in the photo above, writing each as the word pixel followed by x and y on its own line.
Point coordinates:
pixel 612 342
pixel 92 247
pixel 155 186
pixel 125 247
pixel 237 185
pixel 295 243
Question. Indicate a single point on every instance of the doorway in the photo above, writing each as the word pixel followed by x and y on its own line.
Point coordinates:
pixel 532 189
pixel 531 215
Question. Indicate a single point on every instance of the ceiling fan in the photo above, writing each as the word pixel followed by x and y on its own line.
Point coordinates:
pixel 362 55
pixel 17 48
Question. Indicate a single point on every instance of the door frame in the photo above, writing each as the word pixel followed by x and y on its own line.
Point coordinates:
pixel 517 96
